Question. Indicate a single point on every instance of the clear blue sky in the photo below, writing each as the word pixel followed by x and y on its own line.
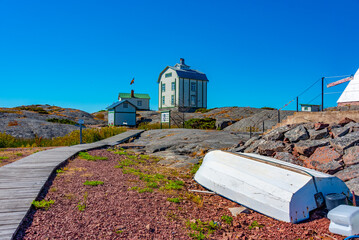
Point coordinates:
pixel 81 54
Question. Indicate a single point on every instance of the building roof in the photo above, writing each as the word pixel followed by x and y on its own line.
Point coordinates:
pixel 137 95
pixel 184 71
pixel 115 104
pixel 351 92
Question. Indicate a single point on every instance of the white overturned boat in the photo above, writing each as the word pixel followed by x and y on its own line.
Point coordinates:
pixel 275 188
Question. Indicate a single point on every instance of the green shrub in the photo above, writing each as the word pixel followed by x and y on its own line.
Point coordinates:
pixel 82 204
pixel 33 108
pixel 43 204
pixel 62 121
pixel 268 108
pixel 3 158
pixel 202 110
pixel 93 183
pixel 201 123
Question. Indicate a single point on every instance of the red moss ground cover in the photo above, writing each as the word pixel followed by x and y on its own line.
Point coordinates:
pixel 138 200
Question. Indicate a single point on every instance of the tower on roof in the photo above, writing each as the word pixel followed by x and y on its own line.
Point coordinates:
pixel 182 88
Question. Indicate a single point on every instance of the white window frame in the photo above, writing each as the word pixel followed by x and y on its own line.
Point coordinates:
pixel 163 100
pixel 163 87
pixel 173 86
pixel 193 86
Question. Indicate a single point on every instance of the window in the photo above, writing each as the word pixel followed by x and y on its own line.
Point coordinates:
pixel 125 105
pixel 163 100
pixel 193 100
pixel 163 87
pixel 173 86
pixel 193 86
pixel 173 100
pixel 167 75
pixel 139 103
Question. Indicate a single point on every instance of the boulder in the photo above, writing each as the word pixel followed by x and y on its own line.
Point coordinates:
pixel 353 185
pixel 287 157
pixel 345 142
pixel 277 134
pixel 296 134
pixel 339 132
pixel 348 173
pixel 223 123
pixel 268 148
pixel 330 167
pixel 324 155
pixel 254 146
pixel 250 141
pixel 320 126
pixel 307 147
pixel 318 134
pixel 345 121
pixel 351 156
pixel 354 127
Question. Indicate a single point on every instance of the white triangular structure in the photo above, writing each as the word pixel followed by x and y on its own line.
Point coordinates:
pixel 350 96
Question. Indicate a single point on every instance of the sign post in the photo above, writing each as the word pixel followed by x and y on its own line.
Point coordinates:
pixel 81 122
pixel 166 118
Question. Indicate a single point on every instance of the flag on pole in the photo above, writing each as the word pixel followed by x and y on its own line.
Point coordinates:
pixel 132 81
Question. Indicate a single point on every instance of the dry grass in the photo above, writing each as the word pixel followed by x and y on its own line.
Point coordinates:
pixel 13 123
pixel 10 155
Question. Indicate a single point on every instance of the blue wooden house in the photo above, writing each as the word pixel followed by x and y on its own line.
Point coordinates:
pixel 122 113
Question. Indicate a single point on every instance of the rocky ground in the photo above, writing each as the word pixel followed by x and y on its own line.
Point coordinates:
pixel 139 200
pixel 181 148
pixel 33 121
pixel 329 148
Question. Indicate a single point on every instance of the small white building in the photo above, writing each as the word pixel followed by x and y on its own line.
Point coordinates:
pixel 140 100
pixel 182 88
pixel 310 108
pixel 122 113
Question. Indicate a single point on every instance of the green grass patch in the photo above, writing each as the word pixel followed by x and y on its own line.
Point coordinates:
pixel 43 204
pixel 227 219
pixel 254 225
pixel 174 200
pixel 81 206
pixel 196 167
pixel 142 190
pixel 201 230
pixel 3 158
pixel 87 156
pixel 174 185
pixel 60 170
pixel 93 183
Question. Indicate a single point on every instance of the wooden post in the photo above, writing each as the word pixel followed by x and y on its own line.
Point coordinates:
pixel 297 105
pixel 322 94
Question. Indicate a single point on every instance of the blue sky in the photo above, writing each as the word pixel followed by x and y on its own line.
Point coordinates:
pixel 81 54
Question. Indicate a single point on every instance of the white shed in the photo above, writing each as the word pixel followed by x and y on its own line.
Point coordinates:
pixel 122 113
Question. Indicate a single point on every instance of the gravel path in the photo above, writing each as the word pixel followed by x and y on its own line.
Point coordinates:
pixel 114 211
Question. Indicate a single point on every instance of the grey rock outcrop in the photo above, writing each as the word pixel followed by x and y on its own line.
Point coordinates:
pixel 296 134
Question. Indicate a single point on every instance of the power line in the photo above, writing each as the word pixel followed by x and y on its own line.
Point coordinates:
pixel 339 76
pixel 315 98
pixel 309 87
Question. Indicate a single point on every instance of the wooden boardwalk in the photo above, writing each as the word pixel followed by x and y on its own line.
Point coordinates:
pixel 22 181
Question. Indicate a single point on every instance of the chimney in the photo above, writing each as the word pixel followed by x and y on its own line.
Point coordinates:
pixel 182 61
pixel 132 93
